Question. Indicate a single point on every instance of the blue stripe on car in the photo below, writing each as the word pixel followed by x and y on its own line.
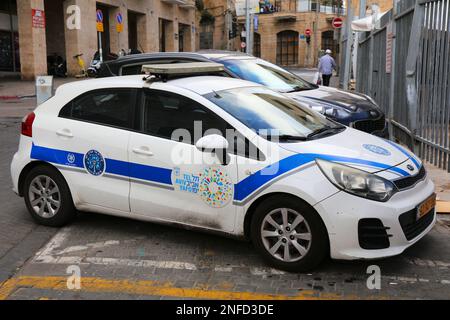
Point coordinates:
pixel 252 183
pixel 242 189
pixel 406 153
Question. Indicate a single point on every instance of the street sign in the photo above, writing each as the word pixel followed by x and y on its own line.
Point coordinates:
pixel 308 32
pixel 119 18
pixel 38 18
pixel 119 25
pixel 99 15
pixel 337 22
pixel 255 22
pixel 99 20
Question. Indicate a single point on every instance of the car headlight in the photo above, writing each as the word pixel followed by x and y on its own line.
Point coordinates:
pixel 357 182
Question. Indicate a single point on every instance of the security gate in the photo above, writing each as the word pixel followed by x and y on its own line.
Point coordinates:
pixel 411 80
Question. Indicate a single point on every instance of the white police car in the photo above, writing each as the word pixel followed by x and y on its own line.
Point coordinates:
pixel 223 155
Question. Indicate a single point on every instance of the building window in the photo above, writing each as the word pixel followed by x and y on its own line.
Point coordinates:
pixel 206 35
pixel 328 42
pixel 162 35
pixel 9 36
pixel 257 45
pixel 287 48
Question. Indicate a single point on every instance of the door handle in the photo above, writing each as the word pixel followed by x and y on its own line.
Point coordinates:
pixel 64 133
pixel 143 151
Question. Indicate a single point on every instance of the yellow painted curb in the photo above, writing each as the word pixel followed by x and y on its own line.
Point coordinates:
pixel 154 288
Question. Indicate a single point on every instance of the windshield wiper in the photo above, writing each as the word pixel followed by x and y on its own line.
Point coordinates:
pixel 297 89
pixel 322 130
pixel 286 137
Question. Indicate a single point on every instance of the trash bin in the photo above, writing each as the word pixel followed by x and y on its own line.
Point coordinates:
pixel 44 88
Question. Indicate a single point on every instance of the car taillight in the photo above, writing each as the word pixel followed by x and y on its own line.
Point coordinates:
pixel 27 125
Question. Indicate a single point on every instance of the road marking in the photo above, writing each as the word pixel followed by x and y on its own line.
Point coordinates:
pixel 429 263
pixel 155 288
pixel 95 245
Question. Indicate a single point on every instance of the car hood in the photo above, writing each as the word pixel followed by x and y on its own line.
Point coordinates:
pixel 359 150
pixel 334 96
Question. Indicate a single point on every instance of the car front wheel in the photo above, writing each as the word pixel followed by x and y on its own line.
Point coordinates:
pixel 289 234
pixel 47 197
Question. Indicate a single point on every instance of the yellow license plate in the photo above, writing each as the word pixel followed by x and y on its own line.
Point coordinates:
pixel 426 206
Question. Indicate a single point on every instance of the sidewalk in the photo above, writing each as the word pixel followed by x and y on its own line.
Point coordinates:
pixel 18 98
pixel 308 75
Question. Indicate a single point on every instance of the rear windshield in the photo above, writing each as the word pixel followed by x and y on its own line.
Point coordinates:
pixel 268 74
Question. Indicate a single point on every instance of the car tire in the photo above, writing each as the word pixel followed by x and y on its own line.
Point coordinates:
pixel 283 221
pixel 47 197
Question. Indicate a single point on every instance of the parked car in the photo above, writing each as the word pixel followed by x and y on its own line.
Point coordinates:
pixel 260 166
pixel 349 108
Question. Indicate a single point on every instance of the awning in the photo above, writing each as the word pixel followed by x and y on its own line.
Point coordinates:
pixel 367 23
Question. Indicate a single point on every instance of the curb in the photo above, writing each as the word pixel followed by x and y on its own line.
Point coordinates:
pixel 443 207
pixel 17 97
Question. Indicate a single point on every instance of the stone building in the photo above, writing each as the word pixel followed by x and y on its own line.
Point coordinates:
pixel 31 30
pixel 280 34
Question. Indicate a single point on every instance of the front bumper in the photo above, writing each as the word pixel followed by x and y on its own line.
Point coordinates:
pixel 342 213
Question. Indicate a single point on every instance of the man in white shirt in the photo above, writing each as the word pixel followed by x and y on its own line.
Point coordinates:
pixel 326 66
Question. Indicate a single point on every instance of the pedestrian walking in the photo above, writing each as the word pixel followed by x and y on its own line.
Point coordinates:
pixel 326 66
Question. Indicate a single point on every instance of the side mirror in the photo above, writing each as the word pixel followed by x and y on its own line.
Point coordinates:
pixel 216 143
pixel 212 142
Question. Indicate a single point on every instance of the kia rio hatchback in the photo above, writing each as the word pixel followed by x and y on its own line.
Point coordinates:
pixel 226 156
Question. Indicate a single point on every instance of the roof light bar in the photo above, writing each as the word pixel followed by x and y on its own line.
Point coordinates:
pixel 188 68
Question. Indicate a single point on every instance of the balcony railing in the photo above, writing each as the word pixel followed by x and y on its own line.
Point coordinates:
pixel 188 4
pixel 178 2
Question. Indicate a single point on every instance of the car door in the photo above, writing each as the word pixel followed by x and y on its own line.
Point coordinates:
pixel 91 139
pixel 171 179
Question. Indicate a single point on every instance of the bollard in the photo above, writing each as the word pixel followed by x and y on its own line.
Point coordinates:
pixel 44 88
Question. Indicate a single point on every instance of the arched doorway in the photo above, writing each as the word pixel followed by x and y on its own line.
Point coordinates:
pixel 287 48
pixel 257 45
pixel 328 42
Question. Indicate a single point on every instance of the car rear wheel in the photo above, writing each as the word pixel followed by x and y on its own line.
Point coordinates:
pixel 289 234
pixel 47 197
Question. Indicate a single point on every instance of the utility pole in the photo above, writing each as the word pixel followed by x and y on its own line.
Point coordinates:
pixel 228 24
pixel 348 45
pixel 248 27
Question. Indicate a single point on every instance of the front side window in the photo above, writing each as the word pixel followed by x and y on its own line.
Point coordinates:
pixel 268 74
pixel 270 113
pixel 111 107
pixel 172 116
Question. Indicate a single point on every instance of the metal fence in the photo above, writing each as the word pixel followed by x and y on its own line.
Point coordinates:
pixel 405 66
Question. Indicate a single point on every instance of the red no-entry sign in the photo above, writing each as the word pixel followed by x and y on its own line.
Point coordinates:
pixel 337 23
pixel 308 32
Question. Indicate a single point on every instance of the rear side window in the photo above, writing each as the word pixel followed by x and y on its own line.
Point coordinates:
pixel 111 107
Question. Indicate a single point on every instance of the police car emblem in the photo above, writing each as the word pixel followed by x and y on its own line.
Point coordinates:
pixel 70 158
pixel 94 162
pixel 377 149
pixel 410 167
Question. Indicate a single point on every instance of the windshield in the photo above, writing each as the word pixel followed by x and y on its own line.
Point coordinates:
pixel 270 113
pixel 268 74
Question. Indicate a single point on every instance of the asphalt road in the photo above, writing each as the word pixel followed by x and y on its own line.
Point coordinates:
pixel 125 259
